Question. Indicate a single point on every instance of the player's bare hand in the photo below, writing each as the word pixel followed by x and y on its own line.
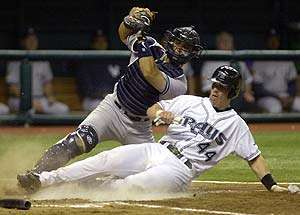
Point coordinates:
pixel 37 105
pixel 248 96
pixel 166 116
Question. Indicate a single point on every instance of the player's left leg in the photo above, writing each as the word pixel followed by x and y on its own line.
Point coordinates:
pixel 84 139
pixel 120 161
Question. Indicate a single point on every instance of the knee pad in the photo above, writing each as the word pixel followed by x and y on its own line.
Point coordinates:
pixel 85 138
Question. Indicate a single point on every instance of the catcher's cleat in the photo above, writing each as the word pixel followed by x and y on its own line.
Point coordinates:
pixel 29 181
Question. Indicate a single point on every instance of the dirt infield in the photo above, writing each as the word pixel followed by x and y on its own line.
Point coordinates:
pixel 203 198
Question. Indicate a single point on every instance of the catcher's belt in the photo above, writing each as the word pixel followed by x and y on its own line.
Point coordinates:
pixel 131 117
pixel 177 153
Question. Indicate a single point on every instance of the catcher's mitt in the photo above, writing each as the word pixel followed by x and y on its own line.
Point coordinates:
pixel 139 18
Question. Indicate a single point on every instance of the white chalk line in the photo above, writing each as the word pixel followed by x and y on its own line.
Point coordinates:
pixel 83 205
pixel 239 182
pixel 181 209
pixel 101 205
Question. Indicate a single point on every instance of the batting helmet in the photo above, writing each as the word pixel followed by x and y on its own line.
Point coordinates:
pixel 228 77
pixel 191 42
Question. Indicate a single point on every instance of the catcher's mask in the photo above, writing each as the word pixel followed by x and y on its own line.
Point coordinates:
pixel 182 44
pixel 228 77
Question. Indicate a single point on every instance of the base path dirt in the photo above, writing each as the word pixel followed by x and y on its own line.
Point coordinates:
pixel 203 198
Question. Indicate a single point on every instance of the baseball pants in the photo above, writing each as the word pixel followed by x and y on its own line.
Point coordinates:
pixel 149 166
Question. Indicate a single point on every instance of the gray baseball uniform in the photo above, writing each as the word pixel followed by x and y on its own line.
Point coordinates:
pixel 202 139
pixel 274 76
pixel 3 109
pixel 41 74
pixel 122 115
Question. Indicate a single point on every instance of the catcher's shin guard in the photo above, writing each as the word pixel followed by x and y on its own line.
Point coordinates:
pixel 83 140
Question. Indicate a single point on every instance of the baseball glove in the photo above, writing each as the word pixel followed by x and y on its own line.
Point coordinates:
pixel 139 18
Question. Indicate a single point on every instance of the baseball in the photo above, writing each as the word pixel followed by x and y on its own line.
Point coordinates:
pixel 293 188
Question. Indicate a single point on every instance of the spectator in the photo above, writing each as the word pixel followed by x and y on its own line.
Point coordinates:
pixel 96 79
pixel 275 81
pixel 189 73
pixel 42 95
pixel 192 72
pixel 3 109
pixel 245 102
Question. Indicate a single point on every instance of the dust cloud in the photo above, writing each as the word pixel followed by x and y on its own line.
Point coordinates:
pixel 73 191
pixel 14 160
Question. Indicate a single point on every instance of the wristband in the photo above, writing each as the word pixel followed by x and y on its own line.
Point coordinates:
pixel 268 181
pixel 142 50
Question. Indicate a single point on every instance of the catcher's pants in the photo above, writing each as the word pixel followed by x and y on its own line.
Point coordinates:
pixel 149 166
pixel 111 123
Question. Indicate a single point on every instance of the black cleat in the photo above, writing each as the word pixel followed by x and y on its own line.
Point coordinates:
pixel 29 181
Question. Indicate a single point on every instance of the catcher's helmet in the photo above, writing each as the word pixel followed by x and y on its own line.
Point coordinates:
pixel 190 40
pixel 228 77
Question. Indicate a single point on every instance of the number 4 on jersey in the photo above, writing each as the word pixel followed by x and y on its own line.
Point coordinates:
pixel 203 147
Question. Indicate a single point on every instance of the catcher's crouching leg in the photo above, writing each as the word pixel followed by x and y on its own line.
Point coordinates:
pixel 83 140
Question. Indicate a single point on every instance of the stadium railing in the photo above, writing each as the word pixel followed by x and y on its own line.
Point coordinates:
pixel 26 117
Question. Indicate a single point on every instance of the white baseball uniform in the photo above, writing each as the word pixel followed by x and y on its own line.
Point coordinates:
pixel 202 138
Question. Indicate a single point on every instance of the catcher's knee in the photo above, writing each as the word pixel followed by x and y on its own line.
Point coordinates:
pixel 85 138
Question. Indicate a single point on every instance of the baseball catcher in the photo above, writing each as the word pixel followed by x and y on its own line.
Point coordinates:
pixel 154 73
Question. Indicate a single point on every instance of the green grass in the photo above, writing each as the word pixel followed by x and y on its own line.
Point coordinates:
pixel 281 150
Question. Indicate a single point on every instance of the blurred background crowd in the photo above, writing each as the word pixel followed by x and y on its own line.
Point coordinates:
pixel 63 86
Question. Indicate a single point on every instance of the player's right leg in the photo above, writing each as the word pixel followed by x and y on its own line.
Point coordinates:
pixel 83 140
pixel 95 128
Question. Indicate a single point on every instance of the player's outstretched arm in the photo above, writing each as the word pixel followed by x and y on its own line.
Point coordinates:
pixel 138 19
pixel 152 74
pixel 259 167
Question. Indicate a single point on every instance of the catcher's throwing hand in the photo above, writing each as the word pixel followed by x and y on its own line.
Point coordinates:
pixel 139 18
